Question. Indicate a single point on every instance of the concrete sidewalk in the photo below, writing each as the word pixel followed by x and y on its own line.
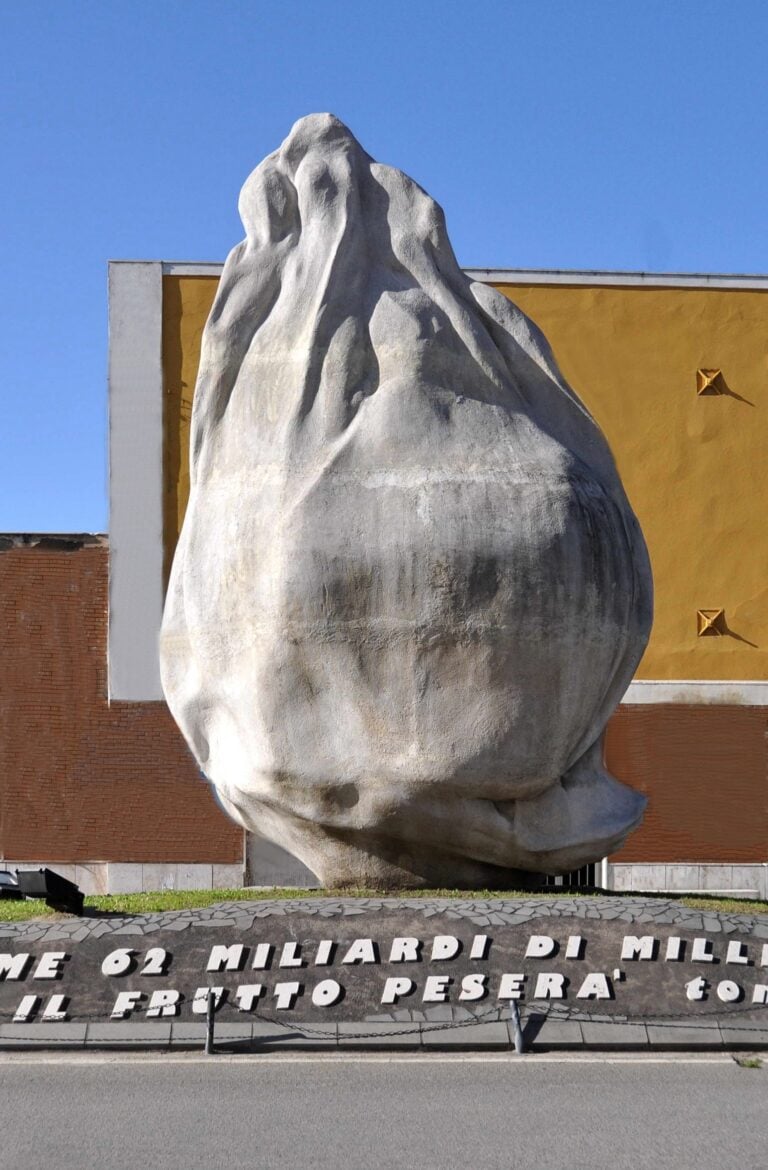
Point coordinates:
pixel 541 1035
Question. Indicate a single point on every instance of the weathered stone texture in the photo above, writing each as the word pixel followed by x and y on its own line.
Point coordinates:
pixel 409 590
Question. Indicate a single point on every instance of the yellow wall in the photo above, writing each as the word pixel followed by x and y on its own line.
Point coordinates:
pixel 693 466
pixel 187 302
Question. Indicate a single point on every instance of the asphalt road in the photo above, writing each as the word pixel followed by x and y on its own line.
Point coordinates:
pixel 108 1112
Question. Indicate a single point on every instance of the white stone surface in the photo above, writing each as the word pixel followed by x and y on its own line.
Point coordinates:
pixel 620 878
pixel 125 877
pixel 755 877
pixel 409 590
pixel 194 877
pixel 92 879
pixel 695 691
pixel 155 876
pixel 135 479
pixel 121 877
pixel 681 877
pixel 228 877
pixel 713 877
pixel 678 877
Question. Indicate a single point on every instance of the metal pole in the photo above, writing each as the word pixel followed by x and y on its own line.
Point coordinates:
pixel 519 1039
pixel 604 878
pixel 210 1012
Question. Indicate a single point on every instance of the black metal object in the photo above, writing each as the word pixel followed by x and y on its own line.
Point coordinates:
pixel 210 1016
pixel 58 892
pixel 584 878
pixel 9 887
pixel 518 1028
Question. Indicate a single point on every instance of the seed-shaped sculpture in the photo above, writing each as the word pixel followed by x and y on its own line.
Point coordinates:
pixel 409 590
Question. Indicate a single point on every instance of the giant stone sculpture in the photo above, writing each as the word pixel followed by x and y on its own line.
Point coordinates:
pixel 409 590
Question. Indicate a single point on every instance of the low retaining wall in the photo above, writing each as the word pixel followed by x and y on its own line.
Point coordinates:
pixel 737 880
pixel 128 877
pixel 268 865
pixel 626 972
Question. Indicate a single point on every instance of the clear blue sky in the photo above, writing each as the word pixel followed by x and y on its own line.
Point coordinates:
pixel 555 134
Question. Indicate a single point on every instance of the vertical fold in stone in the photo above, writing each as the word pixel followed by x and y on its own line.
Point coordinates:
pixel 409 590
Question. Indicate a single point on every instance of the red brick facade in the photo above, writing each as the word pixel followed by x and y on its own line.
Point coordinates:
pixel 80 779
pixel 83 780
pixel 704 769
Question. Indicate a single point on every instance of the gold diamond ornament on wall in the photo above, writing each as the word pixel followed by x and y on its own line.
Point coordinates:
pixel 710 623
pixel 710 382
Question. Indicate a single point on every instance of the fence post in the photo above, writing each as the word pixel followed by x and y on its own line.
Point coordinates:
pixel 605 874
pixel 210 1012
pixel 519 1038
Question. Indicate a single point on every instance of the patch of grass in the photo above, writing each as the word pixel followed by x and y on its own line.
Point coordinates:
pixel 196 899
pixel 159 900
pixel 23 911
pixel 724 905
pixel 748 1061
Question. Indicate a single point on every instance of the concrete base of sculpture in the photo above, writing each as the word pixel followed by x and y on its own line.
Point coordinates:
pixel 409 591
pixel 392 972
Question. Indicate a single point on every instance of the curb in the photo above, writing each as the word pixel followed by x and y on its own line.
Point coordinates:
pixel 545 1035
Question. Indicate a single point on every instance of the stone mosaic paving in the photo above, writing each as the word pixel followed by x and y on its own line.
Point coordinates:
pixel 490 912
pixel 560 1027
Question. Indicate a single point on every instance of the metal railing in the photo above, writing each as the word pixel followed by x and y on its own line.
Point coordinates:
pixel 587 875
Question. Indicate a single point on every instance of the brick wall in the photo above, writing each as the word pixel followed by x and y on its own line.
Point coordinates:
pixel 81 780
pixel 704 769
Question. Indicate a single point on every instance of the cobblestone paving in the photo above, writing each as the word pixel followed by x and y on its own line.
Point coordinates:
pixel 487 912
pixel 562 1027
